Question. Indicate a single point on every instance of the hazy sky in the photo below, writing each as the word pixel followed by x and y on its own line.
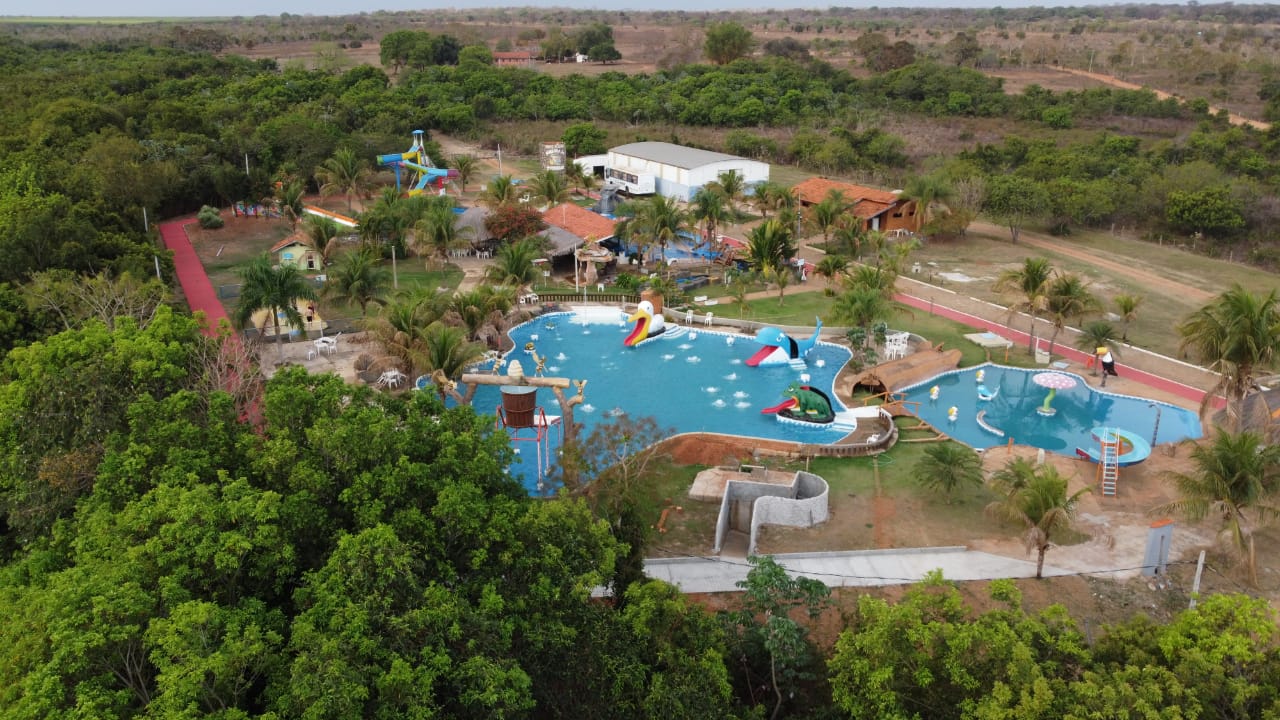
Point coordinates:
pixel 198 8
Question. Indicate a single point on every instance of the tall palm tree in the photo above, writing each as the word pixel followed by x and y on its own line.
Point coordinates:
pixel 403 321
pixel 466 165
pixel 276 290
pixel 848 237
pixel 768 196
pixel 501 190
pixel 513 265
pixel 1040 504
pixel 551 187
pixel 1235 478
pixel 1029 284
pixel 733 186
pixel 323 235
pixel 1067 297
pixel 880 279
pixel 1096 334
pixel 828 214
pixel 707 206
pixel 1127 309
pixel 831 267
pixel 661 220
pixel 926 190
pixel 438 232
pixel 770 248
pixel 359 277
pixel 1237 334
pixel 344 174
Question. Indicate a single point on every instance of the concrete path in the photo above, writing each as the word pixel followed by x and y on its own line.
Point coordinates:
pixel 862 568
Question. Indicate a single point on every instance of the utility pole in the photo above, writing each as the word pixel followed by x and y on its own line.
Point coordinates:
pixel 246 164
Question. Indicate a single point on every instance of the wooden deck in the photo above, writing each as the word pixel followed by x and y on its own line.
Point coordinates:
pixel 897 374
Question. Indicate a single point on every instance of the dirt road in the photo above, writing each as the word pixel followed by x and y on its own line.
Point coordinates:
pixel 1165 286
pixel 1117 82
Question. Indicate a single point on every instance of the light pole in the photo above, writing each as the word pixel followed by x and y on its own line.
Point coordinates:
pixel 1156 430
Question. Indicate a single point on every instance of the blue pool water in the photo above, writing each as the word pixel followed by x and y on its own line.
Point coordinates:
pixel 684 250
pixel 687 382
pixel 1013 410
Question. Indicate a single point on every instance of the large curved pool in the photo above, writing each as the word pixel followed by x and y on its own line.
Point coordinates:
pixel 692 379
pixel 1013 411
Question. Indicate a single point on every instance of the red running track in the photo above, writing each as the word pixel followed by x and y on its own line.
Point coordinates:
pixel 1171 386
pixel 191 275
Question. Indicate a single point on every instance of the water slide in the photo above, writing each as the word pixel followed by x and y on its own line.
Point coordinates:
pixel 649 324
pixel 778 348
pixel 428 175
pixel 1133 449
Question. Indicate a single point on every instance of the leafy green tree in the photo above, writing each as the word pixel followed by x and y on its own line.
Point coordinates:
pixel 584 139
pixel 769 635
pixel 275 289
pixel 1235 478
pixel 604 52
pixel 359 277
pixel 1237 334
pixel 513 222
pixel 1030 284
pixel 948 466
pixel 344 174
pixel 726 42
pixel 1039 503
pixel 1015 201
pixel 1213 211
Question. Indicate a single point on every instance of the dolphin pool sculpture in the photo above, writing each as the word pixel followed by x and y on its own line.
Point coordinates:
pixel 780 348
pixel 649 324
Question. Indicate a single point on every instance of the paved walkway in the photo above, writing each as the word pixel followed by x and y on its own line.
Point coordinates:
pixel 862 568
pixel 191 275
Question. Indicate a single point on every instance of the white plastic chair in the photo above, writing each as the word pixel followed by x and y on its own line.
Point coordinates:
pixel 707 319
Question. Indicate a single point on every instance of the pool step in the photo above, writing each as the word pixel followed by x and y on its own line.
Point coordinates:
pixel 674 331
pixel 845 421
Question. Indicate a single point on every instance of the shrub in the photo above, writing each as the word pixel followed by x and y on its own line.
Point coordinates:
pixel 209 218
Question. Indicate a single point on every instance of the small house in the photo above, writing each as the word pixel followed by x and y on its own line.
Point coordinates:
pixel 296 250
pixel 881 210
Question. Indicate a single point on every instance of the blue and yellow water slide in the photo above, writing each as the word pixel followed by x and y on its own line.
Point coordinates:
pixel 415 159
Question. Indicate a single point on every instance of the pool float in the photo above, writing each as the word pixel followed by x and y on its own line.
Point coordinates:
pixel 1133 449
pixel 934 392
pixel 980 376
pixel 986 394
pixel 804 403
pixel 952 413
pixel 648 324
pixel 780 348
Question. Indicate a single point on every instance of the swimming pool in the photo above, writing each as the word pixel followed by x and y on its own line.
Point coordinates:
pixel 688 248
pixel 690 380
pixel 1013 411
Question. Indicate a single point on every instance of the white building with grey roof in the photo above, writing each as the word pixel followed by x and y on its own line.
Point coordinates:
pixel 674 170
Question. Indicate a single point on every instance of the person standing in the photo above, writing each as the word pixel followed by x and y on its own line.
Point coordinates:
pixel 1108 363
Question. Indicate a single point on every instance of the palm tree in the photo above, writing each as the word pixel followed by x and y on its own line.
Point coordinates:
pixel 880 279
pixel 1127 308
pixel 770 248
pixel 829 213
pixel 448 350
pixel 661 220
pixel 288 196
pixel 1039 503
pixel 466 165
pixel 480 307
pixel 947 466
pixel 1096 334
pixel 848 237
pixel 1068 296
pixel 708 207
pixel 926 190
pixel 276 290
pixel 438 232
pixel 769 196
pixel 864 308
pixel 401 324
pixel 513 265
pixel 323 235
pixel 831 267
pixel 501 190
pixel 344 174
pixel 551 187
pixel 359 277
pixel 1030 283
pixel 733 186
pixel 1235 478
pixel 1237 334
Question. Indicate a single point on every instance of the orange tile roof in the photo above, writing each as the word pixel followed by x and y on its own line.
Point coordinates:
pixel 815 189
pixel 579 221
pixel 298 238
pixel 516 55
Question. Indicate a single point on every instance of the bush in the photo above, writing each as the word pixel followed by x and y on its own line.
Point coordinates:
pixel 209 218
